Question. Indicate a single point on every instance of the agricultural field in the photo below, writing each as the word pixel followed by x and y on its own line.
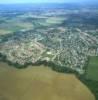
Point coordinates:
pixel 92 68
pixel 4 32
pixel 55 20
pixel 14 27
pixel 40 83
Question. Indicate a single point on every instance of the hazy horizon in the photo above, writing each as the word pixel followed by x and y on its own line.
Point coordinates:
pixel 45 1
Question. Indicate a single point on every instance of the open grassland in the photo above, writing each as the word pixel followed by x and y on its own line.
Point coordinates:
pixel 25 25
pixel 4 32
pixel 40 83
pixel 91 77
pixel 54 20
pixel 11 27
pixel 92 68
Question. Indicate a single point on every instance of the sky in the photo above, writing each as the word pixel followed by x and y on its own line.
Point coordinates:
pixel 43 1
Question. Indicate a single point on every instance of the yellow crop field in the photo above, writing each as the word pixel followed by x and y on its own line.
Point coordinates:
pixel 40 83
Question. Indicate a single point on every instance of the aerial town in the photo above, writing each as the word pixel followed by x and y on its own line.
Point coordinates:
pixel 62 36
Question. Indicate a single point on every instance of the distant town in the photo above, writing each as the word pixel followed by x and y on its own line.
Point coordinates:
pixel 66 37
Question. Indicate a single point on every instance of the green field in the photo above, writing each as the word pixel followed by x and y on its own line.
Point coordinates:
pixel 91 77
pixel 92 68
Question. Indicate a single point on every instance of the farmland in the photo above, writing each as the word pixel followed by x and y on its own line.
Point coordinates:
pixel 40 83
pixel 92 68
